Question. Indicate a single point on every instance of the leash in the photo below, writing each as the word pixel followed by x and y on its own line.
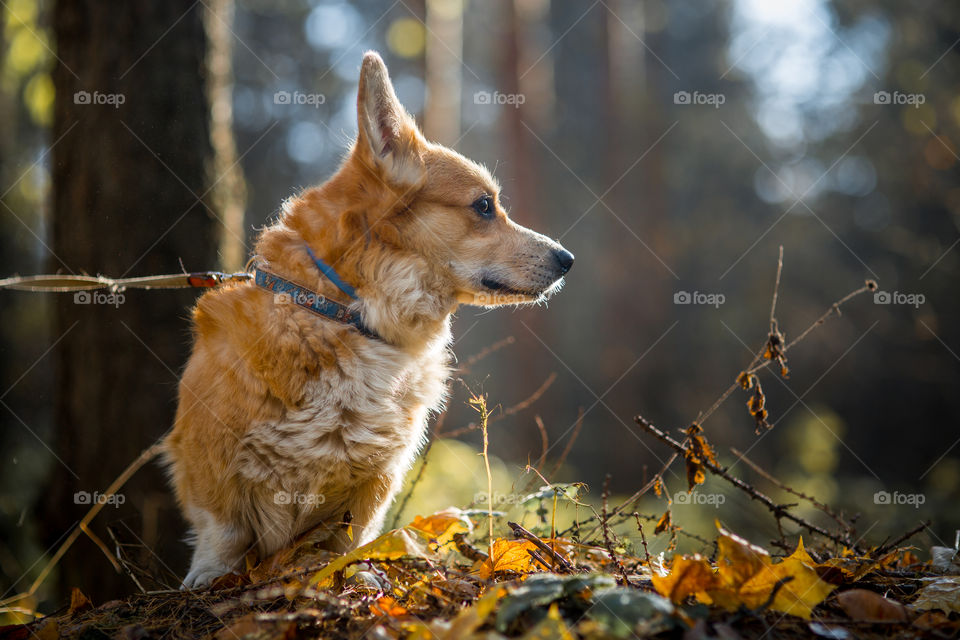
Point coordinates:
pixel 285 291
pixel 66 283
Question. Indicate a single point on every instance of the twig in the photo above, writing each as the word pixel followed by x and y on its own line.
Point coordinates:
pixel 146 456
pixel 483 353
pixel 413 484
pixel 536 556
pixel 909 534
pixel 754 367
pixel 606 532
pixel 520 406
pixel 103 547
pixel 558 559
pixel 123 561
pixel 480 404
pixel 469 551
pixel 776 291
pixel 834 308
pixel 779 511
pixel 773 594
pixel 645 488
pixel 643 539
pixel 544 442
pixel 819 505
pixel 573 438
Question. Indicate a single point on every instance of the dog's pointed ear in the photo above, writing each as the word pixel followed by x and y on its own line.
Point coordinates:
pixel 385 130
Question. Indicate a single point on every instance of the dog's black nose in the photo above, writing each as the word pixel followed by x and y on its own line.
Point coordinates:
pixel 564 259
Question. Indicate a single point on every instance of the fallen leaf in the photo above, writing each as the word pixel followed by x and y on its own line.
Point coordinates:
pixel 746 576
pixel 801 589
pixel 629 613
pixel 442 526
pixel 78 602
pixel 867 606
pixel 390 546
pixel 509 555
pixel 250 626
pixel 387 606
pixel 945 558
pixel 939 593
pixel 463 625
pixel 688 576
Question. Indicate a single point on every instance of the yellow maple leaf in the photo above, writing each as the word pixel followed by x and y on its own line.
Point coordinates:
pixel 390 546
pixel 442 526
pixel 689 576
pixel 509 555
pixel 746 576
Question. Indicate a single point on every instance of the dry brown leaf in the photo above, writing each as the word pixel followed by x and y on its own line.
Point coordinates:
pixel 250 626
pixel 78 602
pixel 387 606
pixel 663 523
pixel 866 606
pixel 696 454
pixel 939 593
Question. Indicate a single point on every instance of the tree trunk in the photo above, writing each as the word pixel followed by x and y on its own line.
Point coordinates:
pixel 129 173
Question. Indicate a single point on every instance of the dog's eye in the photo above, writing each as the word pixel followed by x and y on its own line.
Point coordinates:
pixel 484 206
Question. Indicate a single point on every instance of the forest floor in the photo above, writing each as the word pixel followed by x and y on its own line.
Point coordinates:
pixel 432 580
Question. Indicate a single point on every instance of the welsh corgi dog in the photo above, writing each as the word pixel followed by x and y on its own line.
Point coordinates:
pixel 306 397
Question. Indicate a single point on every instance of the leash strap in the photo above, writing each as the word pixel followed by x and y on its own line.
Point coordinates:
pixel 286 292
pixel 64 283
pixel 332 275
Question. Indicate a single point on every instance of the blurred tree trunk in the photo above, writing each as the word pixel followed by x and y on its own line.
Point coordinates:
pixel 443 71
pixel 520 172
pixel 129 181
pixel 229 190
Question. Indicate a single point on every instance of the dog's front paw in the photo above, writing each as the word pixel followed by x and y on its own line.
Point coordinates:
pixel 203 576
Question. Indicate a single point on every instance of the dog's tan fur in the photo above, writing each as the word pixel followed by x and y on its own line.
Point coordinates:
pixel 277 399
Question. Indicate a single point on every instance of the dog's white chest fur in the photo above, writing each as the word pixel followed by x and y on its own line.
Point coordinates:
pixel 360 421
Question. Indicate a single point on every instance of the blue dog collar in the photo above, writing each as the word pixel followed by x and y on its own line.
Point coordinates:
pixel 312 301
